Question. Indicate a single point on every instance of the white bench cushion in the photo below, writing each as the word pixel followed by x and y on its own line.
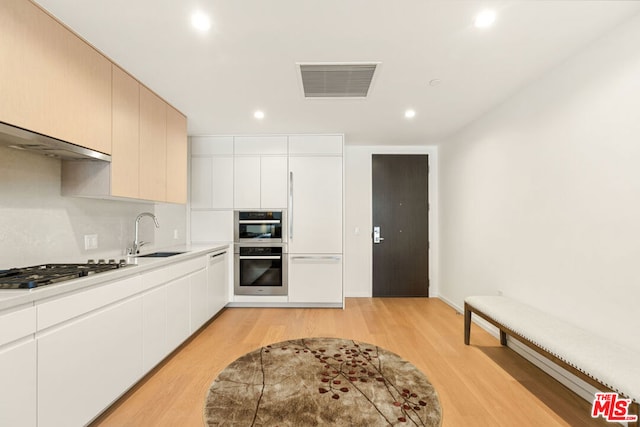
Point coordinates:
pixel 609 363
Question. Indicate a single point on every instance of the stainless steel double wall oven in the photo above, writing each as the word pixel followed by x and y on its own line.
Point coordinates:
pixel 260 253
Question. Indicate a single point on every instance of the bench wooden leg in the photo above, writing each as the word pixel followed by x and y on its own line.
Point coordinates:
pixel 467 324
pixel 503 337
pixel 634 409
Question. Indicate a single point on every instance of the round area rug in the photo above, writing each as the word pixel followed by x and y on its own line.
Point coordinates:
pixel 321 381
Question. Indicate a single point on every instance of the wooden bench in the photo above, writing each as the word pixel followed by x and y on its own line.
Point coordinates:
pixel 607 366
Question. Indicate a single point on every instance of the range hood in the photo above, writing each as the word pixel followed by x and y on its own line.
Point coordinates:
pixel 23 139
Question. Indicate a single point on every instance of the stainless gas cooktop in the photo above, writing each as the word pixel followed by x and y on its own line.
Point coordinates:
pixel 47 274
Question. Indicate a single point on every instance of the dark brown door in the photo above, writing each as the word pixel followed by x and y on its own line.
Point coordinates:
pixel 401 210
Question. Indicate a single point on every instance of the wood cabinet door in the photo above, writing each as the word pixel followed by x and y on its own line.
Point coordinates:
pixel 315 212
pixel 125 155
pixel 51 81
pixel 153 146
pixel 176 156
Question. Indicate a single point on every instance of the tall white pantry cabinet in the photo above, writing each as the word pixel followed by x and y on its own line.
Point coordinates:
pixel 315 219
pixel 300 173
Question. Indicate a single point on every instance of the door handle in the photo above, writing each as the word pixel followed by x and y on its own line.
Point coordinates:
pixel 291 205
pixel 376 235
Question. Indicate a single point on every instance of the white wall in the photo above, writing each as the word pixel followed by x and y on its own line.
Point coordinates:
pixel 358 216
pixel 38 225
pixel 540 199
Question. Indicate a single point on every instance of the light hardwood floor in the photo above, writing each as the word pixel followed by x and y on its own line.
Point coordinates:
pixel 483 384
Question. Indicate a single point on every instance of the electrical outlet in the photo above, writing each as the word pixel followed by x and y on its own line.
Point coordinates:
pixel 175 234
pixel 90 241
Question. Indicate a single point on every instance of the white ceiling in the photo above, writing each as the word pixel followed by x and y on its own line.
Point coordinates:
pixel 247 61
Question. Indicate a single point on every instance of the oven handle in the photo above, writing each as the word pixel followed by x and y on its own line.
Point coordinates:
pixel 261 257
pixel 259 221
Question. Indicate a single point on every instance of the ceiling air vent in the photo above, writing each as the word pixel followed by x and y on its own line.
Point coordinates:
pixel 337 80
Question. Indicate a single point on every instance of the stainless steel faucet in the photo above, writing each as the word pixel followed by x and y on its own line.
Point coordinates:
pixel 137 244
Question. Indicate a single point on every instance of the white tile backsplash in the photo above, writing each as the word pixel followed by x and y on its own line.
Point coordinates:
pixel 38 225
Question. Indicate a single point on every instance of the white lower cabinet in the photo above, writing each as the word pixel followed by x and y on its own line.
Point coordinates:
pixel 94 344
pixel 178 308
pixel 18 367
pixel 199 305
pixel 217 282
pixel 315 278
pixel 154 327
pixel 84 365
pixel 18 385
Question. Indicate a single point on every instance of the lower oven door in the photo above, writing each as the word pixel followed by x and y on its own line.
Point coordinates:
pixel 260 270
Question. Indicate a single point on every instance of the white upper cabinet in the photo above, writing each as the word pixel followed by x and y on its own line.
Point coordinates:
pixel 212 172
pixel 260 172
pixel 211 184
pixel 315 214
pixel 315 145
pixel 212 146
pixel 273 182
pixel 246 182
pixel 260 145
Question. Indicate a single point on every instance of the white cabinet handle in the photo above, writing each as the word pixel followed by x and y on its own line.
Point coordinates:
pixel 326 258
pixel 291 205
pixel 259 221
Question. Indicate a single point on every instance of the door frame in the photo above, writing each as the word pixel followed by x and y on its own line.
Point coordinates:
pixel 359 215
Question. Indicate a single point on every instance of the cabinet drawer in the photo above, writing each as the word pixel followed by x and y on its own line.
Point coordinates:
pixel 70 306
pixel 315 278
pixel 167 274
pixel 17 324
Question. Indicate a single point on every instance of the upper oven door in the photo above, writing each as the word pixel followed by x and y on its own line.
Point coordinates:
pixel 259 226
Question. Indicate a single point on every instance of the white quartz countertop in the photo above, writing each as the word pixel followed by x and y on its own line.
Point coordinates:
pixel 10 298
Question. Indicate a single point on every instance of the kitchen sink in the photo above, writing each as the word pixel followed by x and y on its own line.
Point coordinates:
pixel 160 254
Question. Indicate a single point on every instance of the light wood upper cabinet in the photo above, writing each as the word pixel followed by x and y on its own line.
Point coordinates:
pixel 51 81
pixel 125 156
pixel 54 83
pixel 153 146
pixel 176 156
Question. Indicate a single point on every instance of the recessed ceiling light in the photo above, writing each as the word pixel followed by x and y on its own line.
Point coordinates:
pixel 485 19
pixel 259 115
pixel 200 21
pixel 409 114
